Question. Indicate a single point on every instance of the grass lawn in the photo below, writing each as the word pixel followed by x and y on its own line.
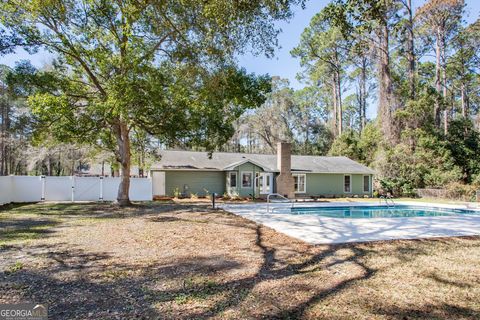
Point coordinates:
pixel 184 261
pixel 371 200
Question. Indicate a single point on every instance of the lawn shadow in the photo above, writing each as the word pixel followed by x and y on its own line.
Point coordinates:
pixel 25 229
pixel 234 292
pixel 15 205
pixel 100 210
pixel 439 312
pixel 78 283
pixel 70 293
pixel 438 278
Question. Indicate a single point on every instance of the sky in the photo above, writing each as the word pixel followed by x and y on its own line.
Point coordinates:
pixel 285 66
pixel 282 64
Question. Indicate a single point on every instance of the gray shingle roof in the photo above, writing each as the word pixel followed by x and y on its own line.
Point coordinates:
pixel 192 160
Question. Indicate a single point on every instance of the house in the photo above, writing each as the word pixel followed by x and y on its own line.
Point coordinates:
pixel 247 175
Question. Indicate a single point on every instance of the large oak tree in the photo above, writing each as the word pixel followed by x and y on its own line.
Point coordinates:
pixel 163 66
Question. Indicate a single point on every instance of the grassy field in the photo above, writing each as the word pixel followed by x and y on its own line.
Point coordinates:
pixel 186 261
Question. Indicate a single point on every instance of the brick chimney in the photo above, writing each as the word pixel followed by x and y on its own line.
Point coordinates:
pixel 285 182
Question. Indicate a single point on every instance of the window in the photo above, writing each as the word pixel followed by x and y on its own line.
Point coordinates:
pixel 347 184
pixel 300 183
pixel 268 178
pixel 246 179
pixel 233 179
pixel 366 183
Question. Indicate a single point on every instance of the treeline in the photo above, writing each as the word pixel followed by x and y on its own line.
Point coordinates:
pixel 20 154
pixel 24 153
pixel 416 69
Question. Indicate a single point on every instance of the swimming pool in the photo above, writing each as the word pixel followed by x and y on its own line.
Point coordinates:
pixel 341 222
pixel 368 212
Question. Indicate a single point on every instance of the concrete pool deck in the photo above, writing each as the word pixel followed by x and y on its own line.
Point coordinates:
pixel 316 229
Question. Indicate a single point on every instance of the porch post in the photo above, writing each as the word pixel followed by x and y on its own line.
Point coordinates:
pixel 253 183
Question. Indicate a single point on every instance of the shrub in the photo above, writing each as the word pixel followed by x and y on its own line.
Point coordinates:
pixel 459 191
pixel 226 196
pixel 193 196
pixel 403 168
pixel 207 194
pixel 476 180
pixel 234 195
pixel 176 193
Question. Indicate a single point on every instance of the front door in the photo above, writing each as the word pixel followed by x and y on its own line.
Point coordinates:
pixel 265 183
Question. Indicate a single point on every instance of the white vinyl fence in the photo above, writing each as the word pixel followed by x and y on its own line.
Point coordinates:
pixel 35 188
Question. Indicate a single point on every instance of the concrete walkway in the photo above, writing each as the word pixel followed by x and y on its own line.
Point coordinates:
pixel 323 230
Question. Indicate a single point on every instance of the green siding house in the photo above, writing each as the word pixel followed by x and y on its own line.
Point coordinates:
pixel 256 175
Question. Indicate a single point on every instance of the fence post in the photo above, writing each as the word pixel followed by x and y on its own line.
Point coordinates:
pixel 101 189
pixel 73 188
pixel 42 178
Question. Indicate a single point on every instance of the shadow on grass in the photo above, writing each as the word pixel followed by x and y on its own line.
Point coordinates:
pixel 234 293
pixel 25 229
pixel 440 312
pixel 449 282
pixel 32 221
pixel 15 206
pixel 99 209
pixel 85 285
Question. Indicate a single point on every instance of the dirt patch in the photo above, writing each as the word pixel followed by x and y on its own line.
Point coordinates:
pixel 184 261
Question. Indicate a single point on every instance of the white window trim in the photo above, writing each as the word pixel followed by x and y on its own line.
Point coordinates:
pixel 369 183
pixel 264 174
pixel 230 179
pixel 252 183
pixel 304 179
pixel 343 183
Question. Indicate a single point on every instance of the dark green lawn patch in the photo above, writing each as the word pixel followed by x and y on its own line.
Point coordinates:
pixel 22 229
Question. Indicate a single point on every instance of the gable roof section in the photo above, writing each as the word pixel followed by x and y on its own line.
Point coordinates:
pixel 232 166
pixel 224 161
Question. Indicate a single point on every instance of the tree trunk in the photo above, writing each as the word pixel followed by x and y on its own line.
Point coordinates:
pixel 444 91
pixel 463 85
pixel 339 103
pixel 363 95
pixel 307 148
pixel 338 91
pixel 2 141
pixel 411 50
pixel 385 87
pixel 438 86
pixel 49 165
pixel 465 104
pixel 5 155
pixel 335 112
pixel 360 106
pixel 123 158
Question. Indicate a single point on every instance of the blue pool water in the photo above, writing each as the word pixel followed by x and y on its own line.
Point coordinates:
pixel 366 212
